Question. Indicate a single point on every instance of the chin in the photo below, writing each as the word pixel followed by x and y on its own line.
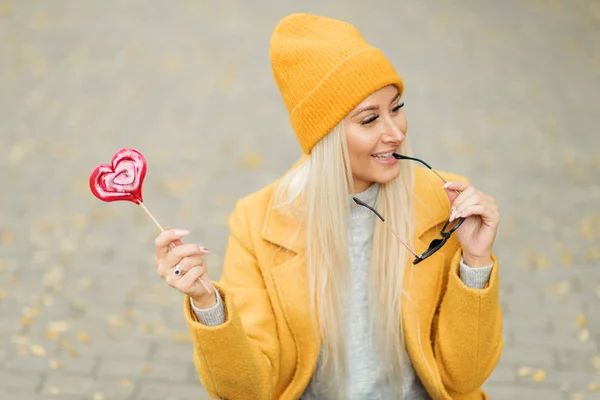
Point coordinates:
pixel 386 177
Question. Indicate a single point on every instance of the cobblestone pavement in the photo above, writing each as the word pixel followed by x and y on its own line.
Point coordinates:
pixel 504 92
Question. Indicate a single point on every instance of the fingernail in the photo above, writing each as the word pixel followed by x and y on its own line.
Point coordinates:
pixel 452 216
pixel 204 249
pixel 447 185
pixel 181 232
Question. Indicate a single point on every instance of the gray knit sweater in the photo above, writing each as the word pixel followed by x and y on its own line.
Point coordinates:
pixel 366 379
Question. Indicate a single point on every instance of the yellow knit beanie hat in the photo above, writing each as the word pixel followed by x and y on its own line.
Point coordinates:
pixel 324 68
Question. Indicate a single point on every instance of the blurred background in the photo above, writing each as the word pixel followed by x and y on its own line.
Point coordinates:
pixel 503 92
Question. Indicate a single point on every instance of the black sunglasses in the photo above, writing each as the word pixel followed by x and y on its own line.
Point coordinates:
pixel 448 229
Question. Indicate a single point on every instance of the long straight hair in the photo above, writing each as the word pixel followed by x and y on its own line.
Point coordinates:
pixel 317 193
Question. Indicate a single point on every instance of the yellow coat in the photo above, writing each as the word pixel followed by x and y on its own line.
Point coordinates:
pixel 264 349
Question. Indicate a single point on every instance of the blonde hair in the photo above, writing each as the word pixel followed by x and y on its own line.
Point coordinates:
pixel 317 193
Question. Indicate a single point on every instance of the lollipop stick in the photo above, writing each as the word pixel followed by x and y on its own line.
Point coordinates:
pixel 162 230
pixel 151 216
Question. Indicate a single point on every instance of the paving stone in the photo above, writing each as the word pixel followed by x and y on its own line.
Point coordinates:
pixel 161 391
pixel 506 392
pixel 68 385
pixel 190 84
pixel 20 380
pixel 120 368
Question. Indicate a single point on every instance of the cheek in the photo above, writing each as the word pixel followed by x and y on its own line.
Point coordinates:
pixel 359 144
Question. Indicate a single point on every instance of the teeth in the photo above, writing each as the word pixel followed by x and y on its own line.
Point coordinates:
pixel 383 156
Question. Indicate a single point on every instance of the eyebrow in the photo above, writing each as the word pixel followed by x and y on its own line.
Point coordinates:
pixel 372 108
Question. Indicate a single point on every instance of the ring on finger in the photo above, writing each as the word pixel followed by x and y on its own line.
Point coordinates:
pixel 177 271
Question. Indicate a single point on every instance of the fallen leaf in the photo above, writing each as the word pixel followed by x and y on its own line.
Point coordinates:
pixel 125 382
pixel 251 160
pixel 586 229
pixel 53 276
pixel 596 362
pixel 539 375
pixel 78 305
pixel 146 369
pixel 4 7
pixel 55 364
pixel 98 396
pixel 41 257
pixel 73 353
pixel 37 350
pixel 593 253
pixel 64 343
pixel 7 238
pixel 576 396
pixel 524 371
pixel 18 339
pixel 53 390
pixel 181 337
pixel 58 326
pixel 80 220
pixel 566 258
pixel 31 312
pixel 23 351
pixel 563 287
pixel 539 261
pixel 584 335
pixel 147 328
pixel 114 320
pixel 593 387
pixel 52 335
pixel 48 300
pixel 172 63
pixel 83 337
pixel 68 245
pixel 581 320
pixel 2 294
pixel 24 321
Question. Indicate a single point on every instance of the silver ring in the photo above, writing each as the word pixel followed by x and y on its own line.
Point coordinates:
pixel 177 270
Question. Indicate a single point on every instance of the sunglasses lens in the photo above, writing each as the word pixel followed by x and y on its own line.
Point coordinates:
pixel 434 246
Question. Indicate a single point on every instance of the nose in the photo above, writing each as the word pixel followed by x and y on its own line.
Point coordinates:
pixel 393 134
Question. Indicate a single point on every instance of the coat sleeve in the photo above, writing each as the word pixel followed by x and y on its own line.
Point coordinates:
pixel 467 327
pixel 468 330
pixel 239 358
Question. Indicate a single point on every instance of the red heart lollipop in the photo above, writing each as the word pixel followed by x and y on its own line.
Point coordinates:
pixel 122 180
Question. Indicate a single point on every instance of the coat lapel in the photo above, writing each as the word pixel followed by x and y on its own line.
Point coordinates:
pixel 420 281
pixel 291 282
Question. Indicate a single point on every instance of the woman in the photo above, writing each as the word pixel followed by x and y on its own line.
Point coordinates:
pixel 321 298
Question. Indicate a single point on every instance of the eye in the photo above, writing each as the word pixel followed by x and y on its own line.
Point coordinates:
pixel 369 120
pixel 398 107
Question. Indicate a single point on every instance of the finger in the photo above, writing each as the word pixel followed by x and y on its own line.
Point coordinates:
pixel 186 264
pixel 163 240
pixel 171 279
pixel 475 209
pixel 189 283
pixel 462 204
pixel 462 197
pixel 175 242
pixel 454 188
pixel 176 254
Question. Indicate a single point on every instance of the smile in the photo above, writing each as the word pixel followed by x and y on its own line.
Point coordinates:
pixel 382 156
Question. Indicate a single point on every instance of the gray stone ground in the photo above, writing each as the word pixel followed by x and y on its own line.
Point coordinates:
pixel 504 92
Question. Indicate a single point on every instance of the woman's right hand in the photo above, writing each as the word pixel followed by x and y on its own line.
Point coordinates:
pixel 190 259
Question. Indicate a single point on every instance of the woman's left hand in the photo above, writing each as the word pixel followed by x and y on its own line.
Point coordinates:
pixel 478 232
